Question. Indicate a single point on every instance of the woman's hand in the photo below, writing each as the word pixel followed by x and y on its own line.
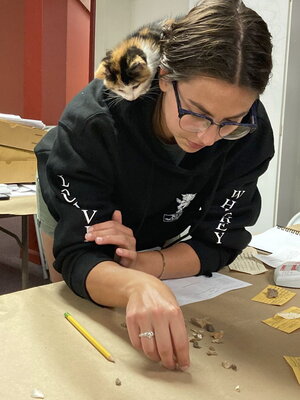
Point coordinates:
pixel 152 307
pixel 115 233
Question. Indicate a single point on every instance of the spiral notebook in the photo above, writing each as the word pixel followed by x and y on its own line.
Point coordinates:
pixel 275 238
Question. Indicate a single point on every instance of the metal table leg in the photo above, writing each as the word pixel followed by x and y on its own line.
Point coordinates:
pixel 24 251
pixel 23 243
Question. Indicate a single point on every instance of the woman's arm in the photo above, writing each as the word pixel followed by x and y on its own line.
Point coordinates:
pixel 178 261
pixel 150 306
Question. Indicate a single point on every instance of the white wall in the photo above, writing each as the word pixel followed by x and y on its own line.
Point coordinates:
pixel 113 19
pixel 289 179
pixel 144 11
pixel 276 15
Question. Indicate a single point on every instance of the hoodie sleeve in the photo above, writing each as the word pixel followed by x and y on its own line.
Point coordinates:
pixel 221 236
pixel 81 179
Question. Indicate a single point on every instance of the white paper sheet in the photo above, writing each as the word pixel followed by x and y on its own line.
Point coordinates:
pixel 280 257
pixel 29 122
pixel 199 288
pixel 18 190
pixel 276 238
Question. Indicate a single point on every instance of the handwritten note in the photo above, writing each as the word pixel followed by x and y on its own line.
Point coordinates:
pixel 283 297
pixel 199 288
pixel 283 324
pixel 247 263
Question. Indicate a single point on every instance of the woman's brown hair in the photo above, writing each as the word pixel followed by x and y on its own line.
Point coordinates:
pixel 222 39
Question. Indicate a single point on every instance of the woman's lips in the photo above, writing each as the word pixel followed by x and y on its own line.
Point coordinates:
pixel 195 146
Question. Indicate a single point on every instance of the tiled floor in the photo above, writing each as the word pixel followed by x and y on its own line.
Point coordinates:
pixel 10 261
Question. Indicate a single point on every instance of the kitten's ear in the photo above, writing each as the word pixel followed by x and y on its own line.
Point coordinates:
pixel 102 72
pixel 137 64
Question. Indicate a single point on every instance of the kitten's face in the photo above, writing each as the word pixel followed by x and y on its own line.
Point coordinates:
pixel 127 75
pixel 131 91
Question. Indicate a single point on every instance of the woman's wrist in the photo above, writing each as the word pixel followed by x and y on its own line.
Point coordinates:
pixel 111 285
pixel 177 261
pixel 163 259
pixel 149 262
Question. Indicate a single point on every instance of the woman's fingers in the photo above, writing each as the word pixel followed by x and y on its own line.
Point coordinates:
pixel 149 344
pixel 126 256
pixel 117 216
pixel 133 332
pixel 158 313
pixel 106 228
pixel 165 346
pixel 113 232
pixel 127 242
pixel 180 344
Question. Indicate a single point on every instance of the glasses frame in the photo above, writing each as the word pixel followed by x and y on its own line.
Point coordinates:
pixel 182 112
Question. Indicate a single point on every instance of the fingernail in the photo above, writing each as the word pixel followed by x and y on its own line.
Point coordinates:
pixel 184 367
pixel 88 235
pixel 99 239
pixel 90 229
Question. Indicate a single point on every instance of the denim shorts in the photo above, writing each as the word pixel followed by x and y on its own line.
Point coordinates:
pixel 46 222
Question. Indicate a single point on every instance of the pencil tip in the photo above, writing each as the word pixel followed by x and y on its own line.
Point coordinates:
pixel 111 359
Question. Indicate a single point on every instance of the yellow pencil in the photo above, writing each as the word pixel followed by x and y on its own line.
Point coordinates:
pixel 93 341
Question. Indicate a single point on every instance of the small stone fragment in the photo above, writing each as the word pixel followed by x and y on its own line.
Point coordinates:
pixel 229 365
pixel 196 345
pixel 272 293
pixel 37 394
pixel 197 331
pixel 211 351
pixel 123 325
pixel 200 322
pixel 218 341
pixel 237 388
pixel 209 327
pixel 118 382
pixel 226 364
pixel 198 336
pixel 217 335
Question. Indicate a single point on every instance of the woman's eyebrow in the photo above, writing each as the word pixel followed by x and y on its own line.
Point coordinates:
pixel 206 112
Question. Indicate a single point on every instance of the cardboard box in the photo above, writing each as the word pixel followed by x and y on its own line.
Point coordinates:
pixel 17 159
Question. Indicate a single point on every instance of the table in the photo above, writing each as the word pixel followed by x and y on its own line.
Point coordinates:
pixel 24 206
pixel 41 349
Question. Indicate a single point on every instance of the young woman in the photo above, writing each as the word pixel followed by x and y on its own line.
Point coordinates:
pixel 118 179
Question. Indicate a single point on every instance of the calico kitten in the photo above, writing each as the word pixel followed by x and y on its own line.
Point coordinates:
pixel 130 67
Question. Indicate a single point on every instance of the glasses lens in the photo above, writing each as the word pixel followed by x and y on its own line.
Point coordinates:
pixel 233 132
pixel 194 124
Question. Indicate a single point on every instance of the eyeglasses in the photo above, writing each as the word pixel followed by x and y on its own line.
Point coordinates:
pixel 196 123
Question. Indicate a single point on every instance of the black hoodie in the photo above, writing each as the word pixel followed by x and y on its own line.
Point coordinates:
pixel 104 157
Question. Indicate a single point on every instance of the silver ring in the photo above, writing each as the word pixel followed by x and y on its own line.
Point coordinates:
pixel 148 334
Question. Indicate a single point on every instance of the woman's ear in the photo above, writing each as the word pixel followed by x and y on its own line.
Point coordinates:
pixel 164 82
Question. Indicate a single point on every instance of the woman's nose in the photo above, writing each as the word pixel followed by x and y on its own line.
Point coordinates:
pixel 209 136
